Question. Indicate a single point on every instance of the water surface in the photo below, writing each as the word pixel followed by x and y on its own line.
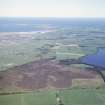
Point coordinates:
pixel 97 59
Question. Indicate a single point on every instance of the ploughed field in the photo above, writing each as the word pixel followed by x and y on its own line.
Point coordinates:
pixel 47 73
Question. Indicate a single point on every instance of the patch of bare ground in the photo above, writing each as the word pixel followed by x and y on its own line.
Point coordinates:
pixel 41 74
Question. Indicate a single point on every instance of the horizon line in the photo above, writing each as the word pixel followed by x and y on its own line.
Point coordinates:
pixel 45 17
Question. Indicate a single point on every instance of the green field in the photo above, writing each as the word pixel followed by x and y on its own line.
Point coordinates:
pixel 84 97
pixel 69 97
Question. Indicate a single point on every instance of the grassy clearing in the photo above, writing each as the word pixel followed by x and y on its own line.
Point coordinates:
pixel 88 83
pixel 34 98
pixel 83 97
pixel 69 52
pixel 69 97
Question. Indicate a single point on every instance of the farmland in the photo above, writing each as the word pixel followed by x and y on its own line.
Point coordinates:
pixel 35 65
pixel 34 68
pixel 69 97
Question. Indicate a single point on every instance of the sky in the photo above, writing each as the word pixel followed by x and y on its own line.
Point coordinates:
pixel 52 8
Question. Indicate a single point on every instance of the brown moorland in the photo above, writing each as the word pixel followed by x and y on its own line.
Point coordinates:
pixel 42 74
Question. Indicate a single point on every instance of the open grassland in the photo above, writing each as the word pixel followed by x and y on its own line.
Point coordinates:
pixel 83 97
pixel 69 97
pixel 20 48
pixel 33 98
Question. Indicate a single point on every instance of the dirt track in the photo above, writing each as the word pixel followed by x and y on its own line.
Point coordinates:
pixel 41 74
